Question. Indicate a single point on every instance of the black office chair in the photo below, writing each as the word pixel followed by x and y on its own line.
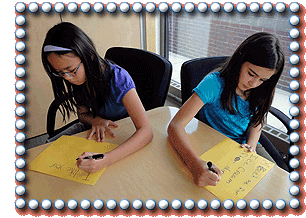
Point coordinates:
pixel 193 71
pixel 51 116
pixel 151 74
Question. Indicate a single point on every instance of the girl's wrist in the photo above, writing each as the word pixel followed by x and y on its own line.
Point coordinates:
pixel 196 166
pixel 251 145
pixel 105 160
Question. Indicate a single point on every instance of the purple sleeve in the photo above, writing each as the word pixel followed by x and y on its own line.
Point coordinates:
pixel 122 83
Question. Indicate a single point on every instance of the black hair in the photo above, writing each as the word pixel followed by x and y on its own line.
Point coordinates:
pixel 261 49
pixel 97 70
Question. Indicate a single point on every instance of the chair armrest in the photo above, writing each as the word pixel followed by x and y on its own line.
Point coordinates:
pixel 281 117
pixel 52 115
pixel 273 152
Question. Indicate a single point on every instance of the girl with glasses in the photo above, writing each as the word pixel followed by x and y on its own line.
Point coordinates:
pixel 101 92
pixel 234 100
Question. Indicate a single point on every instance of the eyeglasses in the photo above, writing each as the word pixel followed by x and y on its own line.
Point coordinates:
pixel 69 74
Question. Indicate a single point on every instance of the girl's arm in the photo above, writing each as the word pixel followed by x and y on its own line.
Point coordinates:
pixel 179 140
pixel 84 114
pixel 253 136
pixel 138 140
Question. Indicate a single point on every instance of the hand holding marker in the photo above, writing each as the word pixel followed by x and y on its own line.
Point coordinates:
pixel 209 164
pixel 96 156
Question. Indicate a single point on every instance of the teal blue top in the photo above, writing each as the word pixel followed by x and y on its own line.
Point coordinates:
pixel 233 126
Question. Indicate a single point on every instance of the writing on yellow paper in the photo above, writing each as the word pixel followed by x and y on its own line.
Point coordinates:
pixel 59 159
pixel 241 169
pixel 73 172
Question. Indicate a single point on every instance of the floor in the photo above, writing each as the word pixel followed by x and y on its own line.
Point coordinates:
pixel 172 102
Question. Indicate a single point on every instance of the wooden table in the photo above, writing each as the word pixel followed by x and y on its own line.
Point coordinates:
pixel 155 172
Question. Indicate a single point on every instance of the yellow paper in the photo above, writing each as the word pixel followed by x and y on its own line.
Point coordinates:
pixel 242 169
pixel 59 159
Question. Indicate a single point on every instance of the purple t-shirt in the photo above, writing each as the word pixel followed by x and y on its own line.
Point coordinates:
pixel 120 84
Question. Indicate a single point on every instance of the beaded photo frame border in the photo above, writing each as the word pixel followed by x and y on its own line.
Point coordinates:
pixel 165 208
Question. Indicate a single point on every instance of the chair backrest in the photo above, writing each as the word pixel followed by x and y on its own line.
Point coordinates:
pixel 193 71
pixel 150 72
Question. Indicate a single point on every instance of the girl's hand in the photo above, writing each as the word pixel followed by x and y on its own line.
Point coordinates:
pixel 249 147
pixel 99 126
pixel 90 165
pixel 203 176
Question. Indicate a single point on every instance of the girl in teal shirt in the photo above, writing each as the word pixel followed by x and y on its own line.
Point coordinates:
pixel 235 101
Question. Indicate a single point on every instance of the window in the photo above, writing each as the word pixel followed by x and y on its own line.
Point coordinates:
pixel 193 35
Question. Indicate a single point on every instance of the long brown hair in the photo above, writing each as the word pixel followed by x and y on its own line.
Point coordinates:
pixel 97 70
pixel 261 49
